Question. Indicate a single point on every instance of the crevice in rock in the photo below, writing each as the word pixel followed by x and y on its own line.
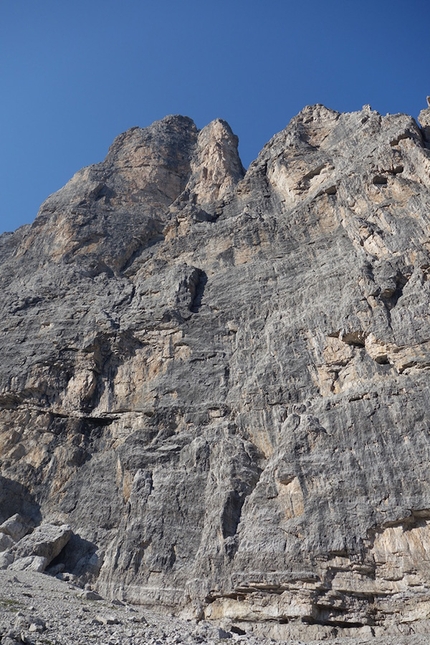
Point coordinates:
pixel 231 513
pixel 391 295
pixel 331 190
pixel 197 291
pixel 332 623
pixel 99 422
pixel 382 360
pixel 354 338
pixel 404 135
pixel 379 180
pixel 103 191
pixel 76 557
pixel 315 172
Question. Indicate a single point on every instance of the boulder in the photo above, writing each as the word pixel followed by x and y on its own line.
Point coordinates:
pixel 6 559
pixel 31 563
pixel 45 543
pixel 5 542
pixel 16 527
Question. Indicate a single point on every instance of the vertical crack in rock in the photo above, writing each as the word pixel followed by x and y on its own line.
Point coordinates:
pixel 197 289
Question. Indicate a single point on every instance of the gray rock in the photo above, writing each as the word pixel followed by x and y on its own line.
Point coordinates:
pixel 6 558
pixel 37 625
pixel 15 527
pixel 5 542
pixel 87 594
pixel 106 620
pixel 43 545
pixel 29 562
pixel 220 381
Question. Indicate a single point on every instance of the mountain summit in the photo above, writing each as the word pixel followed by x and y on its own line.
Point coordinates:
pixel 214 385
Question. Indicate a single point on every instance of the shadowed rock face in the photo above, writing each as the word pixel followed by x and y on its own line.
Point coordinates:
pixel 220 379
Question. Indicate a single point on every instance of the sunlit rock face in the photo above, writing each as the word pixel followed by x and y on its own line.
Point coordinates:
pixel 219 380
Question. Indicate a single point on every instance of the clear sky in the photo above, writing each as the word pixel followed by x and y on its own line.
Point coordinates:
pixel 75 73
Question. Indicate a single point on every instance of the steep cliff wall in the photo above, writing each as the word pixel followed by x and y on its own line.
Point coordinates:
pixel 219 380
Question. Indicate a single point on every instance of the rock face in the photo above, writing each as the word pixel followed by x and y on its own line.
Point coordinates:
pixel 220 380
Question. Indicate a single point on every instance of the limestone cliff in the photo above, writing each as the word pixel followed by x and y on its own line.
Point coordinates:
pixel 219 379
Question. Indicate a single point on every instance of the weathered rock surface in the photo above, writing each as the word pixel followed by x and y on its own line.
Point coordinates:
pixel 34 551
pixel 15 527
pixel 38 609
pixel 220 380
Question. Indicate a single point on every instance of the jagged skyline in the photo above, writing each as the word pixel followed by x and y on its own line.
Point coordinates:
pixel 75 76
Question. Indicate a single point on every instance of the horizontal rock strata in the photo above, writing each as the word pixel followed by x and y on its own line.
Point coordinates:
pixel 219 380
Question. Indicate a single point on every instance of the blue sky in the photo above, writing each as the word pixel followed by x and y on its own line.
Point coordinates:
pixel 74 74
